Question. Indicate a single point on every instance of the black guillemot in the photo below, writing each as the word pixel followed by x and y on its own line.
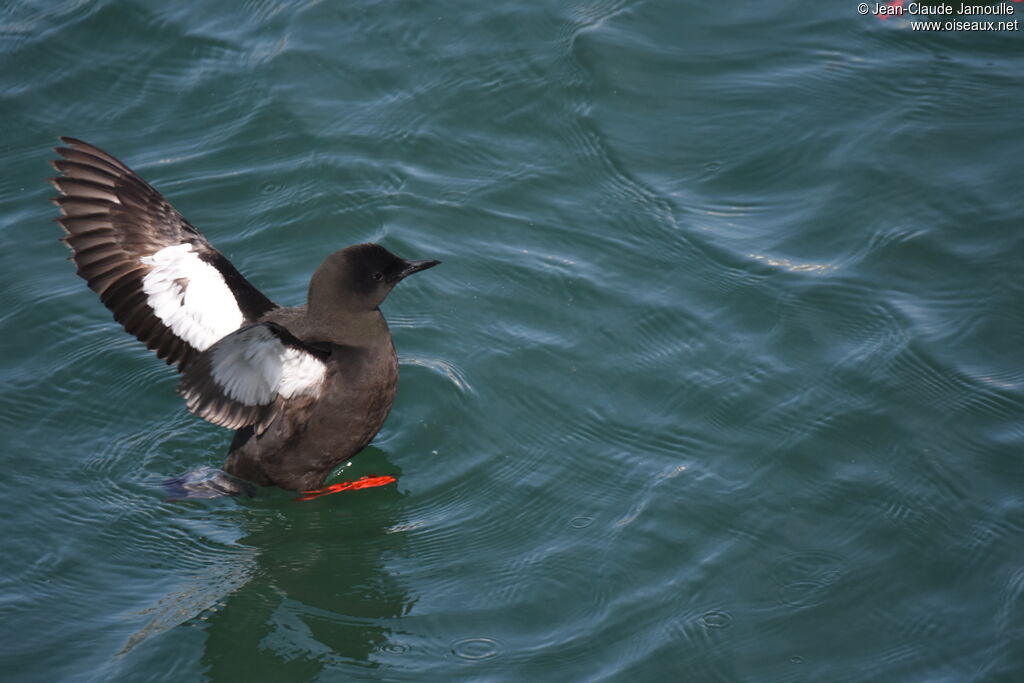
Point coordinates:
pixel 306 387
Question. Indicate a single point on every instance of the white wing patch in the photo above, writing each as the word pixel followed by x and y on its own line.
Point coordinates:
pixel 302 374
pixel 190 296
pixel 253 366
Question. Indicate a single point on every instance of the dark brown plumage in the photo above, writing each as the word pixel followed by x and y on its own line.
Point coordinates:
pixel 306 387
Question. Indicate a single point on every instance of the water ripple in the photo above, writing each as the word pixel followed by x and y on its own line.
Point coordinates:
pixel 475 649
pixel 805 579
pixel 444 367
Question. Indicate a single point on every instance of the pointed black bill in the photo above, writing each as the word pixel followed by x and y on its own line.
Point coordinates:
pixel 415 267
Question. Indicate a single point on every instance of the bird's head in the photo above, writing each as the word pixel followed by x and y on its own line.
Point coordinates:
pixel 359 278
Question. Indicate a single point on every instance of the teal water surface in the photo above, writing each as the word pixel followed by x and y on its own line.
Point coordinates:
pixel 720 379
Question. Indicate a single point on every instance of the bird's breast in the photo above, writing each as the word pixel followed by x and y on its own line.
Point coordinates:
pixel 358 394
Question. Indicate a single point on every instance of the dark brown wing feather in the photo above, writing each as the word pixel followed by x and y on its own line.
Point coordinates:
pixel 205 398
pixel 112 219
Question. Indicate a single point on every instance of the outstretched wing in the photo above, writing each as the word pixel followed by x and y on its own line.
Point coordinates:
pixel 162 280
pixel 238 381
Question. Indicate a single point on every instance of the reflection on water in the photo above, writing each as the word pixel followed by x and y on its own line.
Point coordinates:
pixel 302 587
pixel 317 595
pixel 204 594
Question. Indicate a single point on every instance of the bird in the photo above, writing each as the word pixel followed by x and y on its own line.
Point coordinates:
pixel 304 387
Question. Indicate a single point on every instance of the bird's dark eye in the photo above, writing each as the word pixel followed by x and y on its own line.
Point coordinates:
pixel 378 276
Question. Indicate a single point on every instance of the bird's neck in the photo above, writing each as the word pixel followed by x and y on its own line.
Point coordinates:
pixel 347 328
